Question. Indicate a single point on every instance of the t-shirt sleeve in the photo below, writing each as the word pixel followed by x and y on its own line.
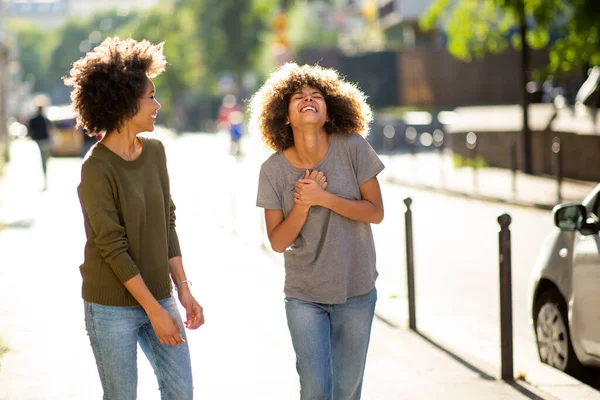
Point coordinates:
pixel 366 162
pixel 97 199
pixel 267 197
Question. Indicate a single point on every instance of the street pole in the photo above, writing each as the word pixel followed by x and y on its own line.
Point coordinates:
pixel 527 163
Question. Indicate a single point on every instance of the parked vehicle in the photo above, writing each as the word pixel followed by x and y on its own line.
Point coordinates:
pixel 67 140
pixel 565 288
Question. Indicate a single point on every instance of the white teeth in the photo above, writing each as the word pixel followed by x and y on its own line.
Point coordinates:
pixel 309 108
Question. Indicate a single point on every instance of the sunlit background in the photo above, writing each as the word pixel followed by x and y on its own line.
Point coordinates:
pixel 480 98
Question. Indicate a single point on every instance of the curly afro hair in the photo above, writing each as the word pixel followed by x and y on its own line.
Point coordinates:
pixel 108 82
pixel 347 108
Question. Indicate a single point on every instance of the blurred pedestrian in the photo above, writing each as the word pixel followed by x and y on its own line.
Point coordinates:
pixel 132 252
pixel 231 119
pixel 38 129
pixel 321 194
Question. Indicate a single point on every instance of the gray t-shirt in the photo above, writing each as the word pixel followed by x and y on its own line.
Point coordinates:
pixel 333 257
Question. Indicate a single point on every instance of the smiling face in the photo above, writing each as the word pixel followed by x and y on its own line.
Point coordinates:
pixel 145 118
pixel 307 106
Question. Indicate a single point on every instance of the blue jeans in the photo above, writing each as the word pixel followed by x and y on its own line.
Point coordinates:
pixel 114 334
pixel 331 343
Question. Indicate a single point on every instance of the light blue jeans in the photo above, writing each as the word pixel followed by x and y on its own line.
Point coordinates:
pixel 114 334
pixel 331 343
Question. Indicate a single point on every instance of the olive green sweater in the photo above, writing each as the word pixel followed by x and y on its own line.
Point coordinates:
pixel 129 222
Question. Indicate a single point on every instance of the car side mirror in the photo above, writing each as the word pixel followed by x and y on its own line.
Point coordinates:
pixel 573 217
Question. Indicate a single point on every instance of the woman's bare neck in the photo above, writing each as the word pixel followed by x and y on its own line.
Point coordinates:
pixel 309 148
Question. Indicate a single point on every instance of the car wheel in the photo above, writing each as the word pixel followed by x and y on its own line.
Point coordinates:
pixel 552 333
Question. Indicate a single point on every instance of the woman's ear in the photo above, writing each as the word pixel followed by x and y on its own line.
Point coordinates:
pixel 287 119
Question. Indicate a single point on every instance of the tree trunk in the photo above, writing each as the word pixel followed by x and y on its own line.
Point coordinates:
pixel 526 140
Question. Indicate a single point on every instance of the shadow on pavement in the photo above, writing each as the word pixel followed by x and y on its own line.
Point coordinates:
pixel 514 384
pixel 458 359
pixel 524 391
pixel 18 224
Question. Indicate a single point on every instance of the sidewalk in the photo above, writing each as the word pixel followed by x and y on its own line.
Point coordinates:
pixel 435 171
pixel 243 351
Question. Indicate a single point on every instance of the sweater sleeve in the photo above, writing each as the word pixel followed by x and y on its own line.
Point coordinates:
pixel 98 198
pixel 174 249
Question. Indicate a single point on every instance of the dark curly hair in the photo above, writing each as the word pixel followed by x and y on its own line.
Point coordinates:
pixel 347 108
pixel 108 82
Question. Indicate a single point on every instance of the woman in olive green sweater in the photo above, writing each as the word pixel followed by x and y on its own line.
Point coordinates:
pixel 132 251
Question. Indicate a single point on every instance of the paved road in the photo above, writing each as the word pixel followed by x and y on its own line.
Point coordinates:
pixel 456 264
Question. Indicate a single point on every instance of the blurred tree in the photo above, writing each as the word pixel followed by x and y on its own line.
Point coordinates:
pixel 308 26
pixel 475 27
pixel 73 40
pixel 34 51
pixel 176 27
pixel 230 35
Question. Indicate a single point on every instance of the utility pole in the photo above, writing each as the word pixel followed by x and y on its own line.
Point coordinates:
pixel 526 140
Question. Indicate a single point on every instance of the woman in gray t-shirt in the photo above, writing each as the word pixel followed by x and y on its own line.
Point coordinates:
pixel 320 194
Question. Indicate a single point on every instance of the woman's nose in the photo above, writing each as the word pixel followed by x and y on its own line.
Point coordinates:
pixel 158 104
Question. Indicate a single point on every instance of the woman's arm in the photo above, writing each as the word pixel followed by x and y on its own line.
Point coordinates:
pixel 164 324
pixel 368 209
pixel 282 232
pixel 194 311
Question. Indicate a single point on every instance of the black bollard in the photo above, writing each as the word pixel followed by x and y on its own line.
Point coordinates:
pixel 506 326
pixel 410 268
pixel 557 150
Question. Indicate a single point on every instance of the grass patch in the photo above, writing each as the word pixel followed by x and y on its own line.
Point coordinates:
pixel 461 161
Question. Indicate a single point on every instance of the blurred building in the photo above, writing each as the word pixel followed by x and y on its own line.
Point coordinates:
pixel 52 13
pixel 399 19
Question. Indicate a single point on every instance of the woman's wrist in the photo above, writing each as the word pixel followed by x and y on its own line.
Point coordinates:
pixel 183 285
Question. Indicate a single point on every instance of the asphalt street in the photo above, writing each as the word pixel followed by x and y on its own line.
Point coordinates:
pixel 222 237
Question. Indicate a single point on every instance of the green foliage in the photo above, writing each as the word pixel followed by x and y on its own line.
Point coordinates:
pixel 461 161
pixel 229 34
pixel 475 27
pixel 203 39
pixel 77 37
pixel 307 30
pixel 34 51
pixel 176 28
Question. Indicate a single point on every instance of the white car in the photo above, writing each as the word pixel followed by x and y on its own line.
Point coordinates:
pixel 565 288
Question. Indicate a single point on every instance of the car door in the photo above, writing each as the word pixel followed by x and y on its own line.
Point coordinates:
pixel 585 297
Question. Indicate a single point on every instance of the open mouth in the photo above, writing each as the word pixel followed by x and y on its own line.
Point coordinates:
pixel 308 109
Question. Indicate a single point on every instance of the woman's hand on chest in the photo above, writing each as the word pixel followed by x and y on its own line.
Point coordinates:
pixel 310 190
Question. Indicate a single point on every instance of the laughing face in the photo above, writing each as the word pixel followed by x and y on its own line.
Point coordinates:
pixel 145 118
pixel 307 106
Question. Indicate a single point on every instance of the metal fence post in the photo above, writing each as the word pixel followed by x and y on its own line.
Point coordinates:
pixel 410 268
pixel 438 141
pixel 557 150
pixel 410 134
pixel 471 142
pixel 506 326
pixel 513 167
